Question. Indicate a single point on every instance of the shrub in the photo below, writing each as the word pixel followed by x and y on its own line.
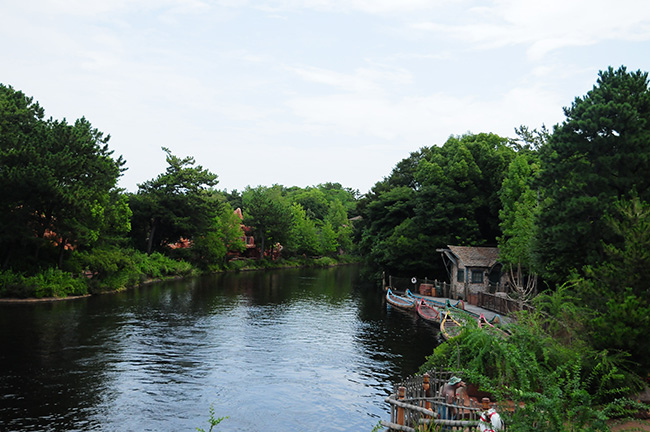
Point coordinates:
pixel 13 285
pixel 47 283
pixel 57 283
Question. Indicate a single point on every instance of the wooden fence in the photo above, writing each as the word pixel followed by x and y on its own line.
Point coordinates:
pixel 416 405
pixel 401 284
pixel 500 304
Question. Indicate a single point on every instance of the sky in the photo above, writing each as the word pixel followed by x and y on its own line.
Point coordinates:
pixel 300 93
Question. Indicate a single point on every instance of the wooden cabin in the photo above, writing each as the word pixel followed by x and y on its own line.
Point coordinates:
pixel 472 270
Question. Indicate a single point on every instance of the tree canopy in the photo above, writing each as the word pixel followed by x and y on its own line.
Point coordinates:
pixel 437 196
pixel 599 154
pixel 177 204
pixel 59 182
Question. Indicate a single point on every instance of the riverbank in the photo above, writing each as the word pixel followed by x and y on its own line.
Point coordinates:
pixel 95 285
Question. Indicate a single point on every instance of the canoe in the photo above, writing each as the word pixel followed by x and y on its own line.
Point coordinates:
pixel 399 301
pixel 427 312
pixel 451 324
pixel 490 325
pixel 458 305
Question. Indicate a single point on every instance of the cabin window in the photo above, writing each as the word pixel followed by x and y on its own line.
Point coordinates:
pixel 477 276
pixel 460 275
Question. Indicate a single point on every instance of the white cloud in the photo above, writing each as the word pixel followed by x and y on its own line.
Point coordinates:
pixel 236 86
pixel 363 80
pixel 546 26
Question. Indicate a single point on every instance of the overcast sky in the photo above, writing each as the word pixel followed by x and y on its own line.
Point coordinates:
pixel 305 92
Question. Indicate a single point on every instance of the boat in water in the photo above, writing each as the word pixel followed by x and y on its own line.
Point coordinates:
pixel 428 312
pixel 399 301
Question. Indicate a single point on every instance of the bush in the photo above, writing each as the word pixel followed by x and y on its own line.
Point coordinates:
pixel 325 262
pixel 13 285
pixel 115 269
pixel 47 283
pixel 56 283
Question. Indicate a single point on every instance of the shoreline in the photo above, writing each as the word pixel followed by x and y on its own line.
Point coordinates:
pixel 14 300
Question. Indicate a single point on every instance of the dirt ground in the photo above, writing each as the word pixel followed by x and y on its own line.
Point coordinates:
pixel 631 425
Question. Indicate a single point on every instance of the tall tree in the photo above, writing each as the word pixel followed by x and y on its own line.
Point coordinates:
pixel 437 196
pixel 269 213
pixel 224 234
pixel 600 153
pixel 21 134
pixel 617 289
pixel 303 234
pixel 176 204
pixel 59 180
pixel 76 197
pixel 520 205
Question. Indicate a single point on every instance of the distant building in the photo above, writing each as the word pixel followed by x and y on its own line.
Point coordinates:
pixel 251 251
pixel 472 270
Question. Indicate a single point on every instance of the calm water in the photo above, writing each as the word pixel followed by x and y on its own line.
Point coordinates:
pixel 289 350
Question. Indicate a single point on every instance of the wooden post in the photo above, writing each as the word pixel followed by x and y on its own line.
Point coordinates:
pixel 427 390
pixel 401 394
pixel 390 282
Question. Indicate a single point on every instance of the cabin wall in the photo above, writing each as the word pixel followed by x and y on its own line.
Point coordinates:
pixel 469 282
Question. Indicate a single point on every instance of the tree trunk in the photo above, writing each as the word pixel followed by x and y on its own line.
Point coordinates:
pixel 262 246
pixel 151 234
pixel 61 253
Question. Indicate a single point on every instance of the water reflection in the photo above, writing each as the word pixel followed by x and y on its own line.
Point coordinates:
pixel 302 350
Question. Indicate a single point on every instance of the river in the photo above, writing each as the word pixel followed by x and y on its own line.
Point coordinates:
pixel 281 350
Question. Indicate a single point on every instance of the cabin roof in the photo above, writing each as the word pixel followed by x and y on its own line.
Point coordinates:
pixel 471 256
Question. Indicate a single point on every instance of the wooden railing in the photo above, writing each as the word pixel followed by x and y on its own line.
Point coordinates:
pixel 500 304
pixel 401 284
pixel 416 404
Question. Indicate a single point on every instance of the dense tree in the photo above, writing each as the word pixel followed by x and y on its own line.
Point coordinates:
pixel 303 234
pixel 383 210
pixel 600 153
pixel 269 213
pixel 59 181
pixel 617 289
pixel 437 196
pixel 177 204
pixel 337 217
pixel 312 200
pixel 346 196
pixel 233 198
pixel 519 205
pixel 76 198
pixel 21 134
pixel 224 234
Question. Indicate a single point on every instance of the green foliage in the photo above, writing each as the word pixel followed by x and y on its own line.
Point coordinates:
pixel 58 184
pixel 598 155
pixel 617 289
pixel 324 262
pixel 176 204
pixel 547 365
pixel 519 208
pixel 269 213
pixel 436 197
pixel 212 421
pixel 209 251
pixel 328 239
pixel 303 234
pixel 337 218
pixel 48 283
pixel 111 269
